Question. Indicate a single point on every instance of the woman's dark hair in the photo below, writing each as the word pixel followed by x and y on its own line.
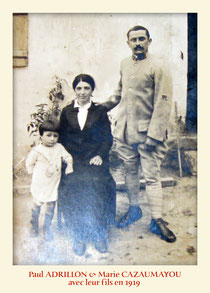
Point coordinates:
pixel 138 28
pixel 83 77
pixel 49 125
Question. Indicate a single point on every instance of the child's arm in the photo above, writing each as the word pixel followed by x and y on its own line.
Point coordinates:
pixel 69 161
pixel 69 168
pixel 31 161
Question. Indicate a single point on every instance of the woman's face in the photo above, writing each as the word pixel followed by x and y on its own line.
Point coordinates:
pixel 83 92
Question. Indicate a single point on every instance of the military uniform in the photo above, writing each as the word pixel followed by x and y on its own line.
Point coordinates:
pixel 144 95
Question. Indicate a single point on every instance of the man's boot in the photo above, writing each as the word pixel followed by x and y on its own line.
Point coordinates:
pixel 35 221
pixel 133 214
pixel 159 227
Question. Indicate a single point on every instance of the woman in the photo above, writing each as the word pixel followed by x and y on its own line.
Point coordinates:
pixel 87 196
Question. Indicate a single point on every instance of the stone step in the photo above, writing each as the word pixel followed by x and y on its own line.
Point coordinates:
pixel 165 182
pixel 185 143
pixel 120 185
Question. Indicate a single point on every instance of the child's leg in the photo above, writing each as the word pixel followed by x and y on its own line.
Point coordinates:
pixel 35 220
pixel 50 208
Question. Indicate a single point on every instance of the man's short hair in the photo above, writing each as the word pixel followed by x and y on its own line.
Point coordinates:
pixel 138 28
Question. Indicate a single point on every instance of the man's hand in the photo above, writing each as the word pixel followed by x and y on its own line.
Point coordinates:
pixel 97 160
pixel 110 103
pixel 150 144
pixel 98 104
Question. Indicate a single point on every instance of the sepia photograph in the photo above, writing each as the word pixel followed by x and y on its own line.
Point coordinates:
pixel 105 139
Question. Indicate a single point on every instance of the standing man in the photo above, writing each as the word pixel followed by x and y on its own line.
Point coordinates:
pixel 144 95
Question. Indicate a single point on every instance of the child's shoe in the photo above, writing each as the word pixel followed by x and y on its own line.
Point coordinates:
pixel 48 235
pixel 34 232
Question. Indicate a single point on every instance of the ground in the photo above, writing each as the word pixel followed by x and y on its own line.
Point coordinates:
pixel 134 245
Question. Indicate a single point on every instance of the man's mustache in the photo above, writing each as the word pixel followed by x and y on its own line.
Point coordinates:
pixel 138 47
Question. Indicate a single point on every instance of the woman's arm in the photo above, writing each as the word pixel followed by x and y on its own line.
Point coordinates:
pixel 105 137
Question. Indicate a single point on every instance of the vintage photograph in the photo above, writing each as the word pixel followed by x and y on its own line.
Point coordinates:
pixel 105 139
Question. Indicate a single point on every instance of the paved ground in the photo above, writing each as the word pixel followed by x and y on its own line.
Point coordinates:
pixel 134 245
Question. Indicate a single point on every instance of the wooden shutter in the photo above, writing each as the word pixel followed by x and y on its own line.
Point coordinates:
pixel 20 39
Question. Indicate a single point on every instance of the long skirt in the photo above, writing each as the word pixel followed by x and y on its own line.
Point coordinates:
pixel 87 199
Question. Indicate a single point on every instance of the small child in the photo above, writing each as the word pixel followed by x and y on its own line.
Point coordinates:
pixel 44 163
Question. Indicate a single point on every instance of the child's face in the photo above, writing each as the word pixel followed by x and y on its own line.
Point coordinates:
pixel 49 138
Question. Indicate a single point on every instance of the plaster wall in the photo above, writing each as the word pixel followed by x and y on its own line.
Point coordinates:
pixel 65 45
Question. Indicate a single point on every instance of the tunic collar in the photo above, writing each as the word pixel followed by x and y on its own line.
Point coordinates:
pixel 136 57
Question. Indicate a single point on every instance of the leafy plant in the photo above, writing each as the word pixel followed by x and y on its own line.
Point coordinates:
pixel 50 111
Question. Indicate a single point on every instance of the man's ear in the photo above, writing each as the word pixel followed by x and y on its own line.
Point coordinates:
pixel 150 40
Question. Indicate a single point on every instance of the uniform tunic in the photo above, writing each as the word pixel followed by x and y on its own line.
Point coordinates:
pixel 44 163
pixel 144 95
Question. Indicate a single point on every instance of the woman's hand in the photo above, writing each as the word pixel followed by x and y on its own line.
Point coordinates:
pixel 97 160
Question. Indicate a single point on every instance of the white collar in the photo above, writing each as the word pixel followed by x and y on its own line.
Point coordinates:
pixel 86 106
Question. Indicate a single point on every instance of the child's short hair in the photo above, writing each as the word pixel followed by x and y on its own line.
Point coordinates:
pixel 49 125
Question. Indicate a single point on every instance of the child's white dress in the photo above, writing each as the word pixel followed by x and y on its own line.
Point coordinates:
pixel 45 165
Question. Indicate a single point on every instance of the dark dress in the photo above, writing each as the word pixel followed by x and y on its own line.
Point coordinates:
pixel 87 197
